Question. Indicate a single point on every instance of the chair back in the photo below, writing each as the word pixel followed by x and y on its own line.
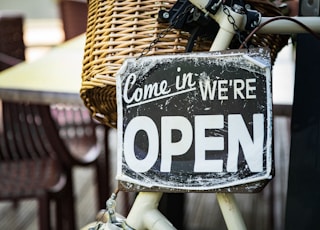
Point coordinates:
pixel 12 48
pixel 74 17
pixel 24 135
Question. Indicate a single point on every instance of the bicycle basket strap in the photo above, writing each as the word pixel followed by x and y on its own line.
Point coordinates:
pixel 117 29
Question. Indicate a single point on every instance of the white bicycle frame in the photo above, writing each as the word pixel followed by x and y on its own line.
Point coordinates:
pixel 144 213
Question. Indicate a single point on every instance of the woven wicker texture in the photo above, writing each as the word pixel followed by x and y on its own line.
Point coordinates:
pixel 118 29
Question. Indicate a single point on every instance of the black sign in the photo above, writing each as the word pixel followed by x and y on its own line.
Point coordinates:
pixel 195 122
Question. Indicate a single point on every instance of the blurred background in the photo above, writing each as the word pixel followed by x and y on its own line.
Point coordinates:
pixel 43 30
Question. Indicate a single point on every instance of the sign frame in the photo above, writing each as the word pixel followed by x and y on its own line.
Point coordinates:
pixel 253 62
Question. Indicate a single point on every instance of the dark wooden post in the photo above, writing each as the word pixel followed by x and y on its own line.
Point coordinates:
pixel 303 201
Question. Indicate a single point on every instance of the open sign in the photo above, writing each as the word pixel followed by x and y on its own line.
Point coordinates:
pixel 195 122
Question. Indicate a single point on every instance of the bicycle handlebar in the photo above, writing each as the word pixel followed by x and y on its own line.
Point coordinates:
pixel 277 25
pixel 288 25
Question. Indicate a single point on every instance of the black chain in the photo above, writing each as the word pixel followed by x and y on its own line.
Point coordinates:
pixel 163 33
pixel 232 21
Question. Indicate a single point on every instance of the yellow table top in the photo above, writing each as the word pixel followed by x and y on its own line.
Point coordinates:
pixel 54 78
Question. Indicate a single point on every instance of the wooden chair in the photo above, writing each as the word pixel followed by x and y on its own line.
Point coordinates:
pixel 35 161
pixel 85 141
pixel 77 121
pixel 31 150
pixel 30 164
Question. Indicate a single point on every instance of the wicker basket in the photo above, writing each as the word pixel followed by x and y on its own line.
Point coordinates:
pixel 118 29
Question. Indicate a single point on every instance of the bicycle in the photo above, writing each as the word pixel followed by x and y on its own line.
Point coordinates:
pixel 144 213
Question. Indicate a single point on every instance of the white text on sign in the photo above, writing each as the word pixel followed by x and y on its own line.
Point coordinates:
pixel 238 135
pixel 217 89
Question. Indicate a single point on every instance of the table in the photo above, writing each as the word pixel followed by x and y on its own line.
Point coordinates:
pixel 54 78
